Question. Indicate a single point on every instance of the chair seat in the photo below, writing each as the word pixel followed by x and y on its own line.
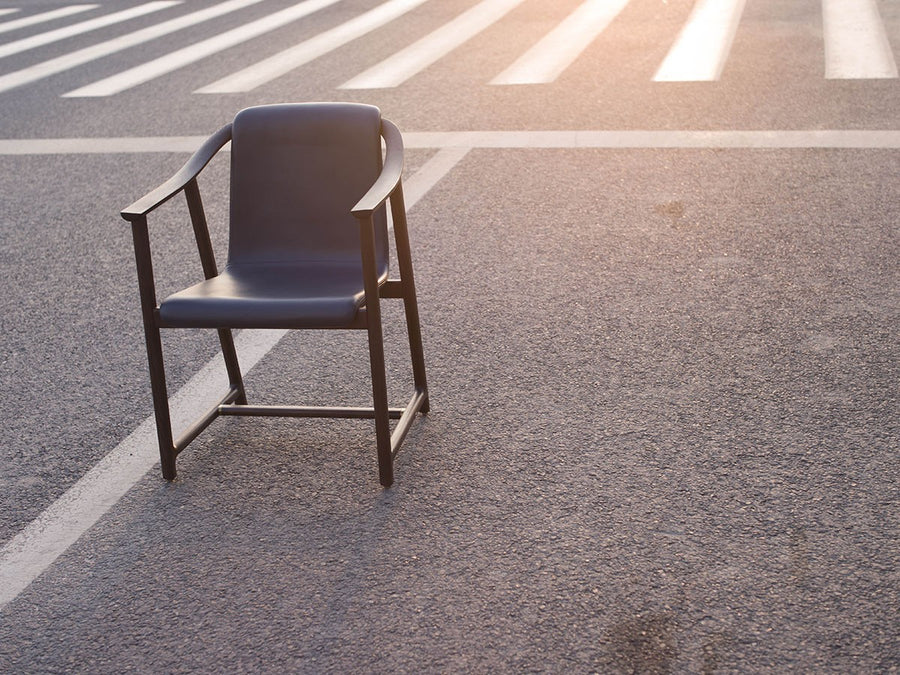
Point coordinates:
pixel 270 295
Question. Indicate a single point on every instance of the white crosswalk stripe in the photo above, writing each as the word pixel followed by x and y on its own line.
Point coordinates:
pixel 856 45
pixel 421 54
pixel 700 52
pixel 82 56
pixel 560 47
pixel 856 42
pixel 289 59
pixel 84 27
pixel 195 52
pixel 44 17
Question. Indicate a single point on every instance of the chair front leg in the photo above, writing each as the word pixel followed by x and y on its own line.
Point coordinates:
pixel 160 402
pixel 380 398
pixel 154 347
pixel 376 352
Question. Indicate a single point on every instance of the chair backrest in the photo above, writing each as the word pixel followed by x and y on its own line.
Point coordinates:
pixel 296 171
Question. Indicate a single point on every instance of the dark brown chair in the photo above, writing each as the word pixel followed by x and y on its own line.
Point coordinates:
pixel 308 248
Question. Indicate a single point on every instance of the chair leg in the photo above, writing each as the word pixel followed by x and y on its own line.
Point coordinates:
pixel 154 347
pixel 410 305
pixel 160 402
pixel 414 331
pixel 229 353
pixel 380 399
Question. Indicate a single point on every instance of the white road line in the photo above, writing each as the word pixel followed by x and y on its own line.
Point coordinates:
pixel 702 47
pixel 796 139
pixel 736 139
pixel 282 63
pixel 431 172
pixel 200 50
pixel 49 535
pixel 11 10
pixel 49 37
pixel 556 51
pixel 100 146
pixel 43 17
pixel 398 68
pixel 856 44
pixel 82 56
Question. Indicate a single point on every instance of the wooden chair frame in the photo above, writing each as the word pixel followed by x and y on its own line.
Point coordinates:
pixel 388 186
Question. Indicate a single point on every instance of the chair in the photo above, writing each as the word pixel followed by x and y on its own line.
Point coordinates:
pixel 308 249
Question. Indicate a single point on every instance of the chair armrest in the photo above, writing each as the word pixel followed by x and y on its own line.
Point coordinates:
pixel 390 173
pixel 185 175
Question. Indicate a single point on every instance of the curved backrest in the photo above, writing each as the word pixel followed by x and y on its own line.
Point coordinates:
pixel 296 171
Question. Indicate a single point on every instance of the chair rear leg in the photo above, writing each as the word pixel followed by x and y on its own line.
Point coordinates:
pixel 414 331
pixel 410 305
pixel 229 353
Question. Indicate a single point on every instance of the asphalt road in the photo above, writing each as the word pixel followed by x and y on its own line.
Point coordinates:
pixel 664 380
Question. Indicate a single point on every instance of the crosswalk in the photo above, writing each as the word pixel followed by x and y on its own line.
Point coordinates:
pixel 855 41
pixel 40 18
pixel 25 44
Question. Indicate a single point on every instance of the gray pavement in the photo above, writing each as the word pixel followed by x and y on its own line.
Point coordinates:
pixel 663 437
pixel 664 382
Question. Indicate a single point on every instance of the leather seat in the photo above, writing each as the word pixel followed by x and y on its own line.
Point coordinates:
pixel 274 295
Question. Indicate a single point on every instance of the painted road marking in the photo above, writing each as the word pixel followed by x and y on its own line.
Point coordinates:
pixel 396 69
pixel 557 50
pixel 856 44
pixel 43 17
pixel 282 63
pixel 734 139
pixel 48 536
pixel 702 47
pixel 182 57
pixel 82 56
pixel 49 37
pixel 855 41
